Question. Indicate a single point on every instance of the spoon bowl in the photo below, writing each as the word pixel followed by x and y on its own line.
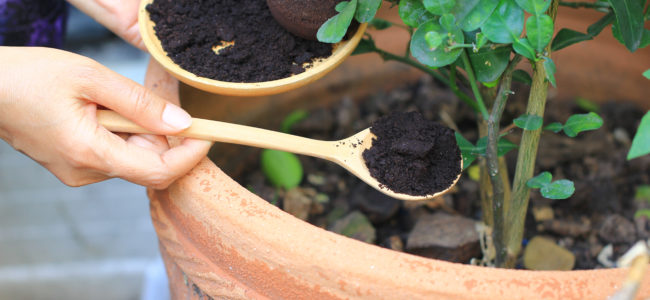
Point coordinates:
pixel 347 152
pixel 317 69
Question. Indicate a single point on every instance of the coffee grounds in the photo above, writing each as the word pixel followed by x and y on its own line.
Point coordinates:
pixel 412 155
pixel 263 50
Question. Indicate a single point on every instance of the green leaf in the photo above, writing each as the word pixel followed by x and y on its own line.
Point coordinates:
pixel 491 84
pixel 293 118
pixel 489 64
pixel 534 7
pixel 434 39
pixel 645 39
pixel 471 14
pixel 380 24
pixel 629 20
pixel 596 28
pixel 529 122
pixel 646 74
pixel 481 40
pixel 334 29
pixel 413 13
pixel 467 150
pixel 642 194
pixel 448 22
pixel 522 76
pixel 282 169
pixel 365 46
pixel 555 127
pixel 582 122
pixel 341 6
pixel 523 47
pixel 587 105
pixel 560 189
pixel 440 56
pixel 366 10
pixel 539 30
pixel 567 37
pixel 641 142
pixel 505 24
pixel 439 7
pixel 549 67
pixel 540 180
pixel 642 213
pixel 503 146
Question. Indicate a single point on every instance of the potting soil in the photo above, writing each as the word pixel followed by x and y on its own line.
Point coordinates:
pixel 262 50
pixel 413 155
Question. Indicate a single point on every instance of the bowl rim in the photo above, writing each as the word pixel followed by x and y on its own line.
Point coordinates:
pixel 340 52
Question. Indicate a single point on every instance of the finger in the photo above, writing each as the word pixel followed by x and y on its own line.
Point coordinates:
pixel 135 102
pixel 154 143
pixel 161 83
pixel 144 165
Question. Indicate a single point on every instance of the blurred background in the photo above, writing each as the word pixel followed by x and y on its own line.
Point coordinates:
pixel 93 242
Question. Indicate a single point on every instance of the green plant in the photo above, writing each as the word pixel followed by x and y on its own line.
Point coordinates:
pixel 476 45
pixel 641 141
pixel 283 169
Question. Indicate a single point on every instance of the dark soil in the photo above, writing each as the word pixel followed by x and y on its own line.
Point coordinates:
pixel 600 213
pixel 412 155
pixel 262 49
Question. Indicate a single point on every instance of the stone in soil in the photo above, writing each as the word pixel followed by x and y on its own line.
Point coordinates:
pixel 446 237
pixel 355 225
pixel 375 205
pixel 566 228
pixel 298 202
pixel 262 50
pixel 393 242
pixel 543 254
pixel 412 155
pixel 617 229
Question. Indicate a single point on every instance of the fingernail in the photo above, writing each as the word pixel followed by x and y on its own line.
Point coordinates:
pixel 176 117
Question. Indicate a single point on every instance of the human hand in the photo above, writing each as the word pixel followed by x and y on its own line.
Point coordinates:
pixel 48 103
pixel 121 17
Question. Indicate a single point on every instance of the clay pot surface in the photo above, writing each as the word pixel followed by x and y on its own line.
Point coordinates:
pixel 219 239
pixel 302 17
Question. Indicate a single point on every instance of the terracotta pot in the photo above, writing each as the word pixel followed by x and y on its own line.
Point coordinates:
pixel 220 240
pixel 302 17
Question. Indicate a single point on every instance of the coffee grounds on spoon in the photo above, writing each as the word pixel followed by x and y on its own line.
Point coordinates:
pixel 412 155
pixel 263 50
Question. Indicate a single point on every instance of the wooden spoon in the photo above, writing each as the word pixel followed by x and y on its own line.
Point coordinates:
pixel 317 70
pixel 346 152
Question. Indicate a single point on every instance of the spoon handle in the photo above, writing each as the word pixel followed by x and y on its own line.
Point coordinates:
pixel 229 133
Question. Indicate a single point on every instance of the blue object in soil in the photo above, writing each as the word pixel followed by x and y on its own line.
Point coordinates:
pixel 33 22
pixel 524 242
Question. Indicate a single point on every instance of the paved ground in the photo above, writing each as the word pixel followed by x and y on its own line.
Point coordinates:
pixel 93 242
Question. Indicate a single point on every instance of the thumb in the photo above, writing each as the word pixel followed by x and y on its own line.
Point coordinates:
pixel 137 103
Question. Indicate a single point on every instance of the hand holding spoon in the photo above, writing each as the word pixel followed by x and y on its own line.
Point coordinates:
pixel 346 152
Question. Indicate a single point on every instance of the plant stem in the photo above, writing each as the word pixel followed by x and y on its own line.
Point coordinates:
pixel 526 160
pixel 492 157
pixel 406 60
pixel 456 46
pixel 584 4
pixel 472 82
pixel 453 75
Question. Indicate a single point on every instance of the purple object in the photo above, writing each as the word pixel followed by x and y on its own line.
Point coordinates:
pixel 33 22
